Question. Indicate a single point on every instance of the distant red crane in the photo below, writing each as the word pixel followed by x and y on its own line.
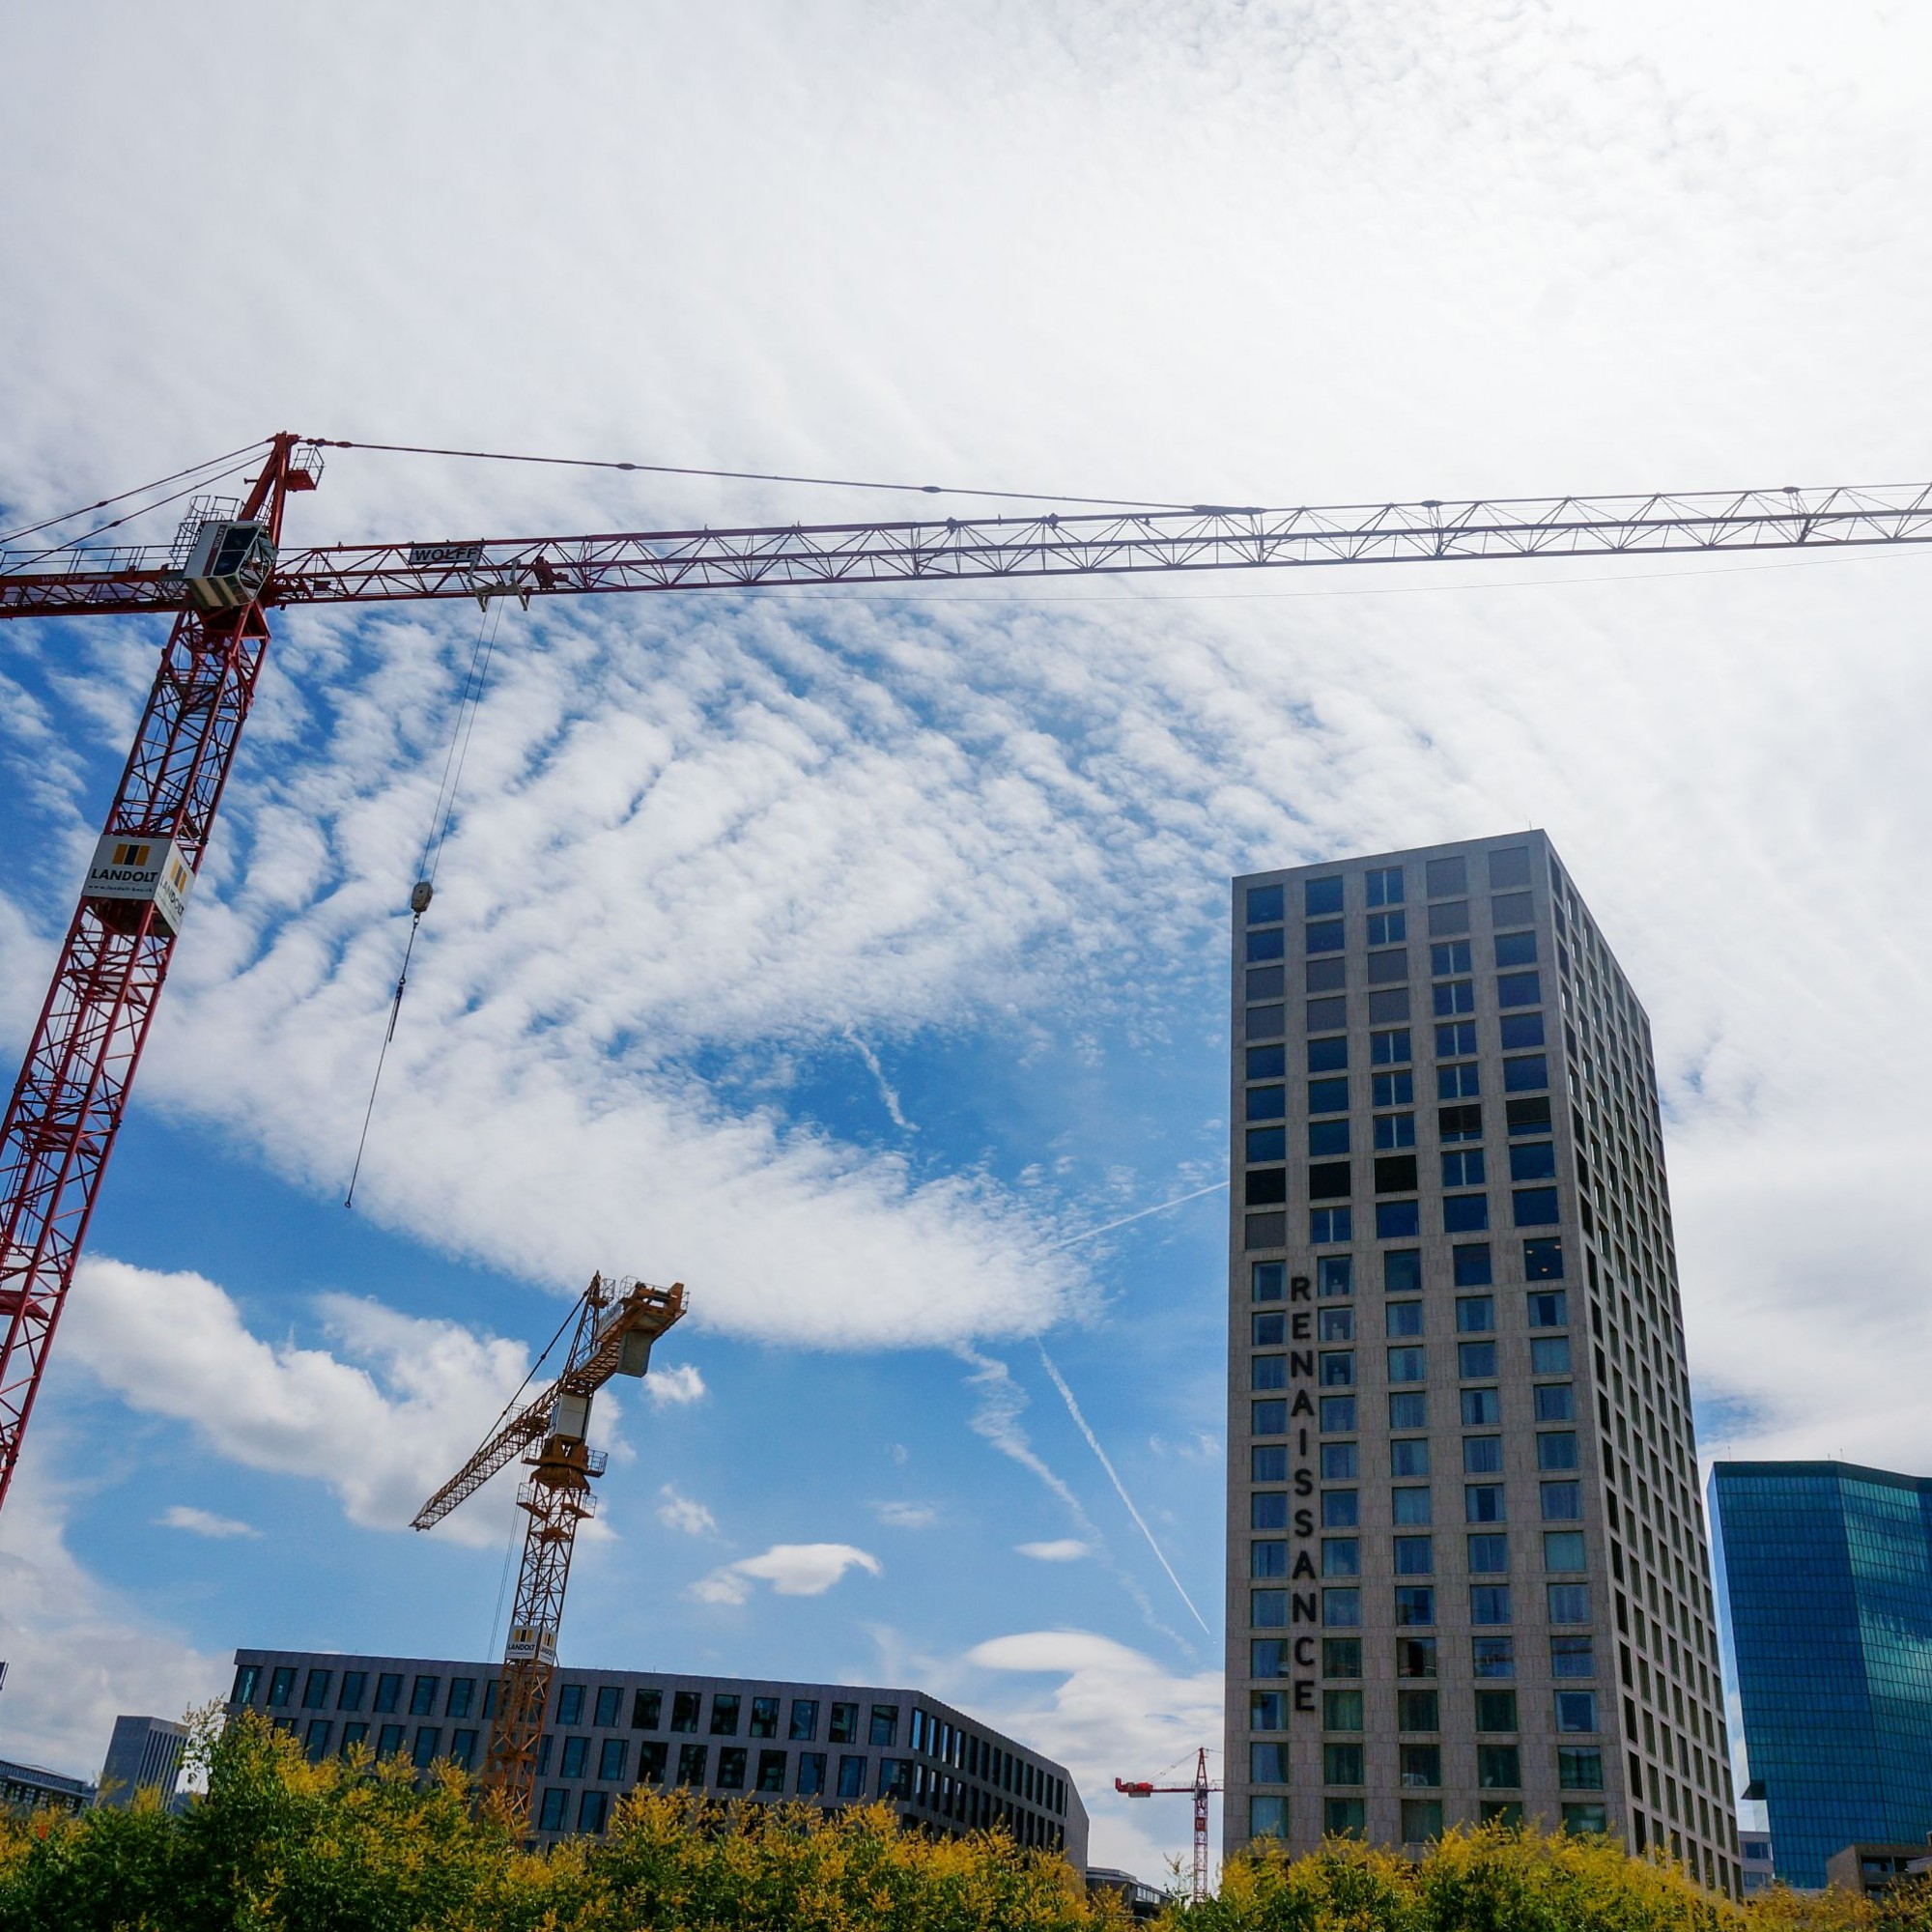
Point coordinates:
pixel 1202 1784
pixel 228 569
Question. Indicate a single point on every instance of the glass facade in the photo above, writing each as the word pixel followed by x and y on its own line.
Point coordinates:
pixel 1825 1577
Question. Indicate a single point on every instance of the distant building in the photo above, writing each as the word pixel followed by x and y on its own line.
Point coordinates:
pixel 144 1754
pixel 1825 1580
pixel 1143 1901
pixel 731 1737
pixel 1466 1562
pixel 1759 1867
pixel 1875 1868
pixel 26 1787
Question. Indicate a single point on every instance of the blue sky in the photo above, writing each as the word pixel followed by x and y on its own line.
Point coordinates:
pixel 730 872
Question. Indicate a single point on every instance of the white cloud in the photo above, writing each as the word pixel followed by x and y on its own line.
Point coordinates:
pixel 1056 1550
pixel 1114 1712
pixel 907 1516
pixel 674 1387
pixel 380 1428
pixel 791 1568
pixel 681 1513
pixel 203 1522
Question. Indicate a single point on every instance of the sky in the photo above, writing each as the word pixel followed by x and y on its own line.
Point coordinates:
pixel 859 958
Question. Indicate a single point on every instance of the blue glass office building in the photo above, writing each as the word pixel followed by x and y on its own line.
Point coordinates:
pixel 1825 1583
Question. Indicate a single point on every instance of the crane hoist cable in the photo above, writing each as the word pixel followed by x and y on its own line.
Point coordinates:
pixel 246 453
pixel 423 892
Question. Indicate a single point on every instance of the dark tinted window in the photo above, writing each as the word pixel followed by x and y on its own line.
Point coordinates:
pixel 1327 1015
pixel 1528 1117
pixel 1395 1174
pixel 1389 1007
pixel 1323 935
pixel 1447 877
pixel 1326 1056
pixel 1452 916
pixel 1264 906
pixel 1266 1062
pixel 1325 1096
pixel 1321 895
pixel 1509 866
pixel 1519 1030
pixel 1327 1182
pixel 1327 976
pixel 1267 945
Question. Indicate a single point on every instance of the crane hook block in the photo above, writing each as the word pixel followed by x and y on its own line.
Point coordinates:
pixel 421 894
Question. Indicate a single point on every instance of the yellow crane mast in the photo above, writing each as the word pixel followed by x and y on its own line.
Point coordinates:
pixel 616 1324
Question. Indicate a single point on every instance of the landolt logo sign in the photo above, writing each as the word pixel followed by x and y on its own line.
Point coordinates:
pixel 147 871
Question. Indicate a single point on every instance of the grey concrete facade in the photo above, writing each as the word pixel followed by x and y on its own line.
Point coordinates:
pixel 752 1739
pixel 1468 1575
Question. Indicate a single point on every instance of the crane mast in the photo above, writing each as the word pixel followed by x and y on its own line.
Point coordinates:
pixel 1199 1791
pixel 616 1324
pixel 230 568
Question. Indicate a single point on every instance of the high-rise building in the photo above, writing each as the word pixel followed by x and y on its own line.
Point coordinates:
pixel 730 1738
pixel 1467 1571
pixel 1825 1577
pixel 144 1754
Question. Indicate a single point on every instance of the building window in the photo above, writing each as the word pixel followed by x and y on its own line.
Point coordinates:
pixel 1449 997
pixel 1335 1324
pixel 1489 1603
pixel 1533 1160
pixel 569 1704
pixel 1476 1360
pixel 1392 1090
pixel 1475 1314
pixel 1389 1049
pixel 1414 1603
pixel 1268 1509
pixel 651 1762
pixel 353 1735
pixel 731 1766
pixel 609 1701
pixel 1387 928
pixel 1330 1226
pixel 1327 1180
pixel 1264 905
pixel 1576 1711
pixel 1459 1123
pixel 1342 1610
pixel 692 1761
pixel 1269 1281
pixel 1340 1657
pixel 1562 1502
pixel 1268 1464
pixel 1409 1506
pixel 1515 949
pixel 1555 1403
pixel 1395 1174
pixel 1324 1137
pixel 1464 1169
pixel 574 1750
pixel 1406 1365
pixel 1324 1055
pixel 1556 1449
pixel 1519 1031
pixel 462 1698
pixel 1551 1309
pixel 1579 1766
pixel 1563 1550
pixel 1398 1220
pixel 1341 1508
pixel 611 1757
pixel 1482 1455
pixel 1483 1502
pixel 1466 1213
pixel 1263 945
pixel 553 1815
pixel 1543 1258
pixel 1319 936
pixel 1343 1817
pixel 1267 1817
pixel 1489 1554
pixel 1339 1463
pixel 1421 1765
pixel 1342 1764
pixel 1572 1657
pixel 1341 1710
pixel 1269 1103
pixel 1526 1071
pixel 1319 896
pixel 354 1683
pixel 1569 1603
pixel 772 1772
pixel 1520 989
pixel 1338 1415
pixel 1269 1372
pixel 282 1686
pixel 1482 1408
pixel 810 1774
pixel 1384 886
pixel 1266 983
pixel 724 1715
pixel 1494 1657
pixel 1266 1062
pixel 1334 1275
pixel 1415 1656
pixel 1585 1820
pixel 1527 1116
pixel 1394 1130
pixel 1410 1455
pixel 1267 1558
pixel 1455 1039
pixel 1338 1368
pixel 1403 1318
pixel 1470 1264
pixel 1535 1207
pixel 1341 1556
pixel 1498 1767
pixel 845 1724
pixel 1402 1271
pixel 1415 1556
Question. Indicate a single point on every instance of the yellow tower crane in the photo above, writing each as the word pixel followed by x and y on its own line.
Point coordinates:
pixel 616 1324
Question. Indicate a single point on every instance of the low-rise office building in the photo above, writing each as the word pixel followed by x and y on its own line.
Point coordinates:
pixel 26 1787
pixel 1758 1866
pixel 608 1731
pixel 1875 1868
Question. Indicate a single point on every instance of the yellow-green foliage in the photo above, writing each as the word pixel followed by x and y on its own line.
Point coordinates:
pixel 281 1845
pixel 1497 1880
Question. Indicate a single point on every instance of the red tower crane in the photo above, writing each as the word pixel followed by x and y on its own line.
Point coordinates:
pixel 1202 1784
pixel 229 569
